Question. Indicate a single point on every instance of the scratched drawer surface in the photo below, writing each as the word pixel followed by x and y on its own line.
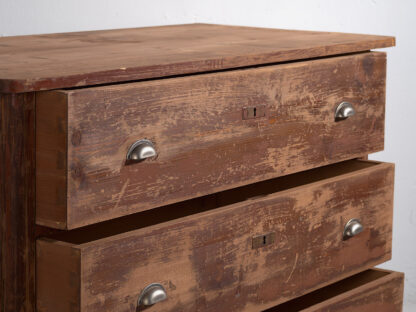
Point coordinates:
pixel 202 134
pixel 250 248
pixel 368 291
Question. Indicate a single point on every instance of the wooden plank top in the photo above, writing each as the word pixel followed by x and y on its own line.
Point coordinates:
pixel 43 62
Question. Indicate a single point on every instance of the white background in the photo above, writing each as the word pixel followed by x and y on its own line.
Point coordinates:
pixel 397 18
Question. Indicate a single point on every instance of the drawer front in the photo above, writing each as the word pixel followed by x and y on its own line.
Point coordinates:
pixel 204 132
pixel 245 256
pixel 368 291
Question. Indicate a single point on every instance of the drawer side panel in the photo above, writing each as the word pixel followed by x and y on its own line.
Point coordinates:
pixel 51 159
pixel 58 277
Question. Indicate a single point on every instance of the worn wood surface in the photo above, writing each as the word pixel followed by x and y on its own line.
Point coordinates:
pixel 206 261
pixel 368 291
pixel 383 295
pixel 17 200
pixel 203 143
pixel 51 159
pixel 32 63
pixel 63 274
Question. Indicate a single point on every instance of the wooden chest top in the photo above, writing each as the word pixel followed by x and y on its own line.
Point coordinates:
pixel 44 62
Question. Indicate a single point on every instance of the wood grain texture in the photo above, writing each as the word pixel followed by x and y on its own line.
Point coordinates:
pixel 43 62
pixel 203 143
pixel 206 261
pixel 54 273
pixel 51 157
pixel 383 295
pixel 368 291
pixel 17 200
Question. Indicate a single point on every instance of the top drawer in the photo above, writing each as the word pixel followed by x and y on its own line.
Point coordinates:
pixel 211 132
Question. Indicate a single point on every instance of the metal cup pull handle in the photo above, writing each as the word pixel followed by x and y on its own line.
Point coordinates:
pixel 152 294
pixel 141 150
pixel 352 228
pixel 344 110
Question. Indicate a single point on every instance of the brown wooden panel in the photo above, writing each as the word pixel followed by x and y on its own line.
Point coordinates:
pixel 51 158
pixel 383 295
pixel 33 63
pixel 206 261
pixel 204 145
pixel 368 291
pixel 17 200
pixel 65 275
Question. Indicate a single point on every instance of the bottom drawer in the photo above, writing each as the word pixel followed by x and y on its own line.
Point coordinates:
pixel 245 249
pixel 369 291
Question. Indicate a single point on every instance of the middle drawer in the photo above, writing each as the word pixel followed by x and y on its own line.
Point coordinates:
pixel 211 132
pixel 252 247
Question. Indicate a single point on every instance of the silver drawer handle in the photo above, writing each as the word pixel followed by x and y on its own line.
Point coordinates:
pixel 151 295
pixel 352 228
pixel 140 150
pixel 344 110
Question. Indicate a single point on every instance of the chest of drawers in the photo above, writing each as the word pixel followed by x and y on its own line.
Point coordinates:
pixel 195 168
